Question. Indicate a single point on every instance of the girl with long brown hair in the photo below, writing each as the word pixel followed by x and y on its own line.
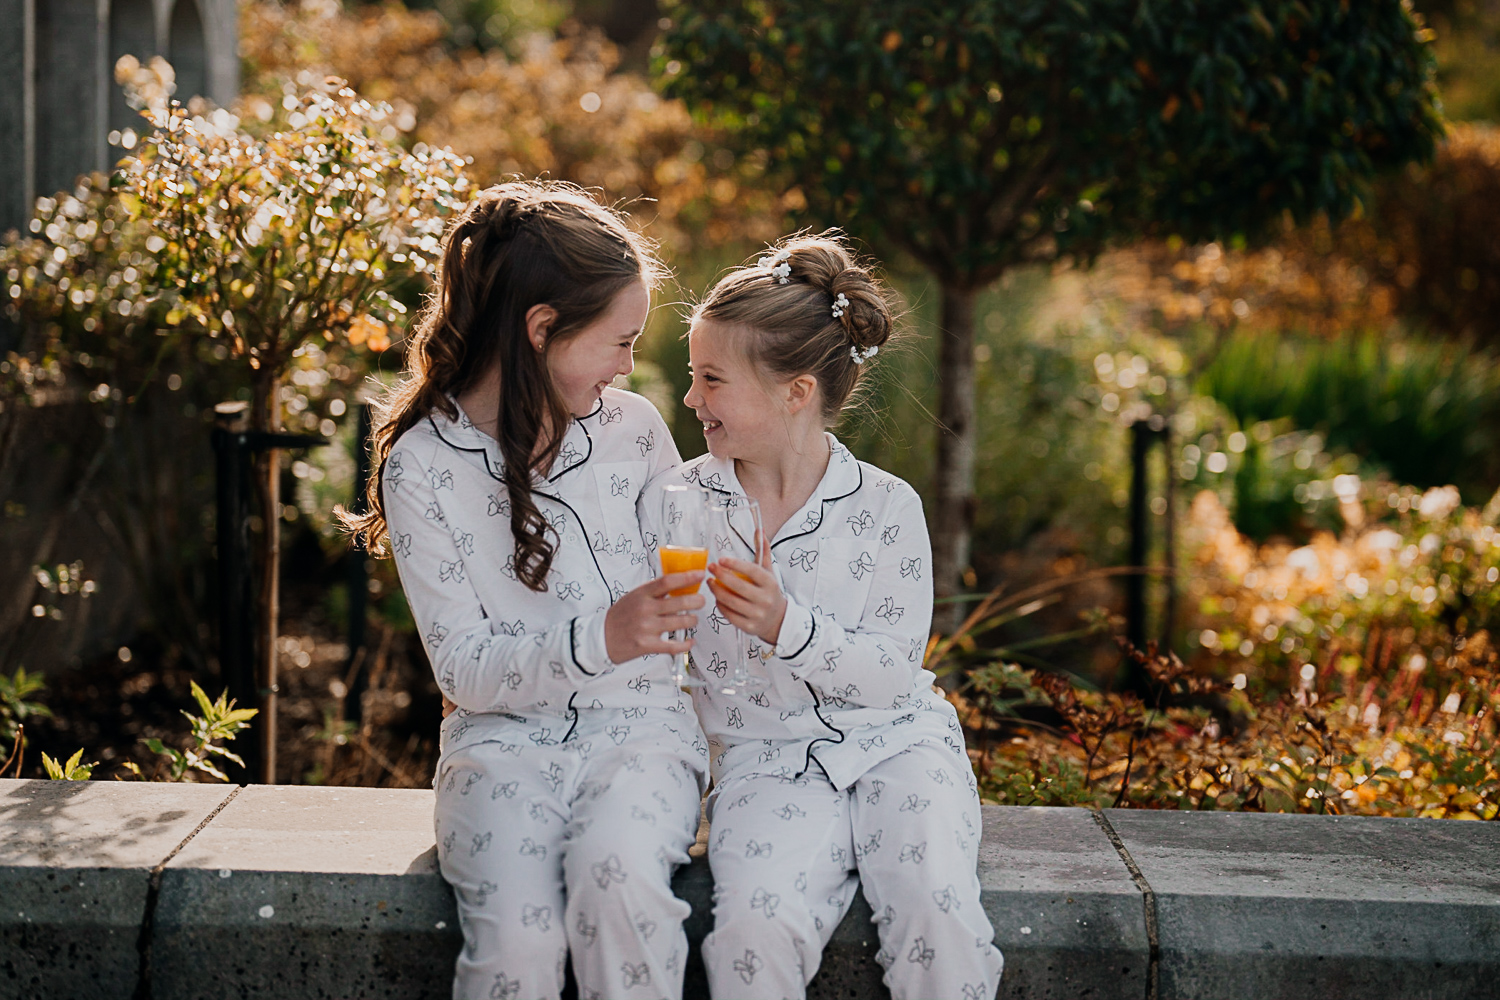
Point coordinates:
pixel 570 773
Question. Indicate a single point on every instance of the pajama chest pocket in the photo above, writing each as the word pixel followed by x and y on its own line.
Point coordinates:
pixel 846 567
pixel 618 484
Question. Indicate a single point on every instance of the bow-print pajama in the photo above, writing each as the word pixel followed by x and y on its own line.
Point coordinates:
pixel 844 768
pixel 568 786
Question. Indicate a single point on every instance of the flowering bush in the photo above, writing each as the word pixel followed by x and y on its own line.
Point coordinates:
pixel 78 284
pixel 301 235
pixel 263 245
pixel 1355 674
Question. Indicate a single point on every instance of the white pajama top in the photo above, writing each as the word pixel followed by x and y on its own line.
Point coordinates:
pixel 525 666
pixel 845 688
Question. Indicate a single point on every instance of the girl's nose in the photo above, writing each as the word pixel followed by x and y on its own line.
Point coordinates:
pixel 692 400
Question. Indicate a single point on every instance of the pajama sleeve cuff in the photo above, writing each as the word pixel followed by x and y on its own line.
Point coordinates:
pixel 586 644
pixel 798 627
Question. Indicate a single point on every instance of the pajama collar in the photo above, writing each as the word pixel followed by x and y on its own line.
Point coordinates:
pixel 842 478
pixel 577 446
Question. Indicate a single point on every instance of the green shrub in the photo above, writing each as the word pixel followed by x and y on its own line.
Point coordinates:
pixel 1423 411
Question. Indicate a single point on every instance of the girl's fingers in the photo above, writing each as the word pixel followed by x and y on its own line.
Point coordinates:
pixel 746 569
pixel 668 622
pixel 745 609
pixel 686 603
pixel 765 552
pixel 720 586
pixel 742 602
pixel 742 586
pixel 663 585
pixel 664 641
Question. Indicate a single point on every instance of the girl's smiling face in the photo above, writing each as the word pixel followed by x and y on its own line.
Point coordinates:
pixel 742 416
pixel 584 364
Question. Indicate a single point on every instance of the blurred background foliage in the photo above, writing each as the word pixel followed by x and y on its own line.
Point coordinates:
pixel 1321 389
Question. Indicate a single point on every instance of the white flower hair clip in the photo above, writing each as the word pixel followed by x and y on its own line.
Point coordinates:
pixel 840 305
pixel 777 262
pixel 860 357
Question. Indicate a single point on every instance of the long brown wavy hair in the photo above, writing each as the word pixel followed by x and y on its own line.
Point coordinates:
pixel 517 245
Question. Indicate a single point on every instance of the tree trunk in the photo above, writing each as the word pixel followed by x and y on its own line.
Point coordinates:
pixel 953 474
pixel 268 416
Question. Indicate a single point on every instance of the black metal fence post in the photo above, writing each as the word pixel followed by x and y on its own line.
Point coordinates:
pixel 1143 433
pixel 1169 546
pixel 234 444
pixel 1140 541
pixel 357 576
pixel 236 645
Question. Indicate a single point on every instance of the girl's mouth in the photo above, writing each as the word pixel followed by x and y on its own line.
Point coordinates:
pixel 709 426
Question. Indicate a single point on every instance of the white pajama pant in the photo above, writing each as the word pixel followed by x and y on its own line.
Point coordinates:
pixel 787 855
pixel 551 848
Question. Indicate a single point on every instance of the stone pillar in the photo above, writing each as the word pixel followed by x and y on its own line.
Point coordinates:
pixel 222 36
pixel 187 51
pixel 71 94
pixel 132 31
pixel 17 113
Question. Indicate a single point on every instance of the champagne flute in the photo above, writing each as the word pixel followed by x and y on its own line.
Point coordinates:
pixel 736 527
pixel 683 546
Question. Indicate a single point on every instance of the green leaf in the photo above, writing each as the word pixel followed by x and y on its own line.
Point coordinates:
pixel 204 705
pixel 73 770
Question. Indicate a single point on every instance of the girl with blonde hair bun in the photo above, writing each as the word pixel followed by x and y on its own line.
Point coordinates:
pixel 837 765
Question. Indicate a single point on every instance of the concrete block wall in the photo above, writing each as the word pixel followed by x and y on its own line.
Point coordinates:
pixel 174 891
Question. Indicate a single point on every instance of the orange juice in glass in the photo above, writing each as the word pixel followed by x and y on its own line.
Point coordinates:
pixel 682 545
pixel 735 526
pixel 683 559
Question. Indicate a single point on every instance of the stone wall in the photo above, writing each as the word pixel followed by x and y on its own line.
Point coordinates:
pixel 165 891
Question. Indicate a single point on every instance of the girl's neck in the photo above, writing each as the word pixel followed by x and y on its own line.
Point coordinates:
pixel 481 403
pixel 783 480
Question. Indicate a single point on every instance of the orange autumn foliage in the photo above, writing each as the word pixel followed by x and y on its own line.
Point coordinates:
pixel 1424 253
pixel 525 115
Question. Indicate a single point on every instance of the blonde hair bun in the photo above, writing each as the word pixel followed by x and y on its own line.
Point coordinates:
pixel 827 264
pixel 789 300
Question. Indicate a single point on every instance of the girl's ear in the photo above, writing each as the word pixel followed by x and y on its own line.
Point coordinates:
pixel 800 392
pixel 539 319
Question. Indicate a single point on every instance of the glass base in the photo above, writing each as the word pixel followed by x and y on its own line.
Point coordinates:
pixel 680 675
pixel 739 685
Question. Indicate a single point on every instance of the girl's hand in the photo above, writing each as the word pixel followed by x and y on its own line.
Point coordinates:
pixel 635 624
pixel 448 707
pixel 749 596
